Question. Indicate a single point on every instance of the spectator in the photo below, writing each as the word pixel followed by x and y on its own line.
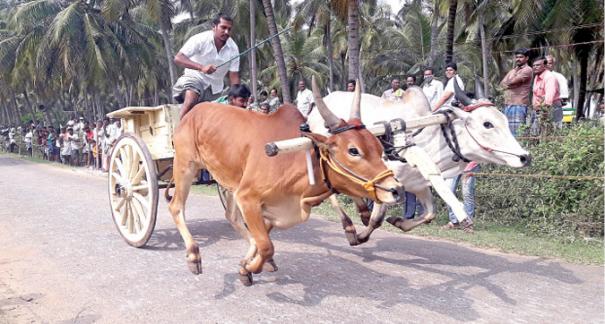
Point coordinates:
pixel 265 108
pixel 395 92
pixel 304 99
pixel 351 85
pixel 65 142
pixel 274 100
pixel 516 85
pixel 201 56
pixel 53 152
pixel 432 88
pixel 563 86
pixel 451 72
pixel 468 196
pixel 28 140
pixel 547 110
pixel 410 81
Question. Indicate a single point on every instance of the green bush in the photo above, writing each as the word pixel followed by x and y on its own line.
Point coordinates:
pixel 549 205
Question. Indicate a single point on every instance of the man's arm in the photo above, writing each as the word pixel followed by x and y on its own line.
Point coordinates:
pixel 444 97
pixel 523 76
pixel 234 78
pixel 182 60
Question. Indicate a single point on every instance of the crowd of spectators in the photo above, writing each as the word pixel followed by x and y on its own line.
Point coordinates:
pixel 76 142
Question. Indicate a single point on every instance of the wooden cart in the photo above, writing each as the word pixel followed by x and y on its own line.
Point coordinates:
pixel 140 165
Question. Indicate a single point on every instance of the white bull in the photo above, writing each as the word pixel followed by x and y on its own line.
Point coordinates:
pixel 481 132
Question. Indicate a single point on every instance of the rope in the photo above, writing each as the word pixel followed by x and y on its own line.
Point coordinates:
pixel 539 176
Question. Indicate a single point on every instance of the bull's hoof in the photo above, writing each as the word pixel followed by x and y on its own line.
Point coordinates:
pixel 395 221
pixel 352 238
pixel 245 278
pixel 270 266
pixel 195 266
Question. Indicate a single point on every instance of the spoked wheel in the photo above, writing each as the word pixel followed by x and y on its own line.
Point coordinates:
pixel 222 194
pixel 133 190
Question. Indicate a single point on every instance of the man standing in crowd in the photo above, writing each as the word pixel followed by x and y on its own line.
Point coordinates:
pixel 468 195
pixel 563 87
pixel 202 56
pixel 547 110
pixel 410 81
pixel 451 72
pixel 516 85
pixel 304 99
pixel 395 92
pixel 432 88
pixel 274 101
pixel 351 85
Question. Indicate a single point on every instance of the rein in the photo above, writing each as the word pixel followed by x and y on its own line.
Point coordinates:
pixel 327 160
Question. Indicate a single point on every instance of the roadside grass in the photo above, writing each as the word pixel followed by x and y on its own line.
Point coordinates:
pixel 491 236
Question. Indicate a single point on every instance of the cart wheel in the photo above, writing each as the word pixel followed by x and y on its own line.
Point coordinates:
pixel 222 194
pixel 133 190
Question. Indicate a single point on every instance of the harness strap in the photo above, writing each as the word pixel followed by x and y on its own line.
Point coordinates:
pixel 368 185
pixel 451 140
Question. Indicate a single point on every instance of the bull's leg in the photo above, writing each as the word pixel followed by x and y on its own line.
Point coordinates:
pixel 252 215
pixel 376 219
pixel 184 173
pixel 406 225
pixel 347 224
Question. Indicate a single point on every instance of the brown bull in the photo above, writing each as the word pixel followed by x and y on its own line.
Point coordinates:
pixel 273 191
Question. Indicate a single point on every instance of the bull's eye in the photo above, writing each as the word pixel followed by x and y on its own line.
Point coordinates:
pixel 353 151
pixel 488 125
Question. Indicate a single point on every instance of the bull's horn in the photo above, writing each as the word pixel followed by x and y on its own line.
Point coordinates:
pixel 460 95
pixel 332 121
pixel 356 108
pixel 479 91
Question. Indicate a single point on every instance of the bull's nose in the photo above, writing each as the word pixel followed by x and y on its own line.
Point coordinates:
pixel 525 159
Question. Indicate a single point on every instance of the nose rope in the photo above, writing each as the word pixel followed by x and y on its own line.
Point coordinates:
pixel 369 185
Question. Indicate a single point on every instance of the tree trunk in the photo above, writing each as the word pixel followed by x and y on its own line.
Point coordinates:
pixel 582 92
pixel 253 71
pixel 17 110
pixel 484 55
pixel 33 112
pixel 451 24
pixel 169 53
pixel 328 40
pixel 277 52
pixel 434 34
pixel 353 39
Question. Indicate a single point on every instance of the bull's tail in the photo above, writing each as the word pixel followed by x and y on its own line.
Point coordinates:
pixel 167 191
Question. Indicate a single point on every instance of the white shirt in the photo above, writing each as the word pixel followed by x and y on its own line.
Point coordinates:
pixel 200 48
pixel 563 87
pixel 392 95
pixel 304 99
pixel 450 87
pixel 433 91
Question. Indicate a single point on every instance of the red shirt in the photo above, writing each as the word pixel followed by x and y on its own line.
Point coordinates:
pixel 546 89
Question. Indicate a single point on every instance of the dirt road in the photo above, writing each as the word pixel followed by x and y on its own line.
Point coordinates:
pixel 62 261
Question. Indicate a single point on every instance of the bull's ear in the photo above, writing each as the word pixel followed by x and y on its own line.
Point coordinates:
pixel 318 139
pixel 460 113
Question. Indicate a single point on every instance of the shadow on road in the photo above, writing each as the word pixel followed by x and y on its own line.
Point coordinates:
pixel 205 232
pixel 329 274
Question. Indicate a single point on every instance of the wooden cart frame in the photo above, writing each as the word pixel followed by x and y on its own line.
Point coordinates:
pixel 140 164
